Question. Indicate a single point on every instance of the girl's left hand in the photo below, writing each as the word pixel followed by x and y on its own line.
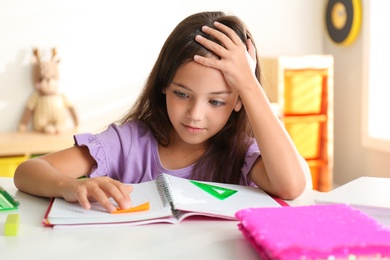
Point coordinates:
pixel 237 61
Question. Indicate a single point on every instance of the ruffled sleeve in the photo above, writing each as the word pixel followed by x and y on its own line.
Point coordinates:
pixel 97 151
pixel 123 152
pixel 108 148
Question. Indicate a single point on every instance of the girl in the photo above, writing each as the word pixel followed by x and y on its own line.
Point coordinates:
pixel 202 115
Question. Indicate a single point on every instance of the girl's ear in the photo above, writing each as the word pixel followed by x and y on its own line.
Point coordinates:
pixel 164 91
pixel 238 105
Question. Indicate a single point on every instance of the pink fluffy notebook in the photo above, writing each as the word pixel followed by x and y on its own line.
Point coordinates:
pixel 335 231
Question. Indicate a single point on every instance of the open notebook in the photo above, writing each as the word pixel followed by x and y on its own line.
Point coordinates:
pixel 171 199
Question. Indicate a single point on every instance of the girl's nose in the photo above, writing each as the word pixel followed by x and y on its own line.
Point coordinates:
pixel 195 111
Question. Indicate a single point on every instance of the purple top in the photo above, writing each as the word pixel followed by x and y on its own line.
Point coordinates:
pixel 129 153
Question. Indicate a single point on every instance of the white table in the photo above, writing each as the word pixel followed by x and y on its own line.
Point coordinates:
pixel 191 239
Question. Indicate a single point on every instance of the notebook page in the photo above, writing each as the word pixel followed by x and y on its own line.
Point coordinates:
pixel 63 212
pixel 187 196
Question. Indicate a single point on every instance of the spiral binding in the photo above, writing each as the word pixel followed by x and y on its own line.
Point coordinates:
pixel 164 189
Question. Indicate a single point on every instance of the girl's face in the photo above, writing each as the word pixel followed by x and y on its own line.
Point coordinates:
pixel 199 102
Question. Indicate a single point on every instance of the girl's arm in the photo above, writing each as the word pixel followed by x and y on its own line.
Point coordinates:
pixel 280 170
pixel 56 175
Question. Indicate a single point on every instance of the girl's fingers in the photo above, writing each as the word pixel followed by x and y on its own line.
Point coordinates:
pixel 226 42
pixel 204 61
pixel 100 196
pixel 212 46
pixel 224 34
pixel 121 195
pixel 229 41
pixel 116 190
pixel 101 190
pixel 83 200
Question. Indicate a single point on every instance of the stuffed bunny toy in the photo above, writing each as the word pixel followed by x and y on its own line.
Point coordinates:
pixel 46 106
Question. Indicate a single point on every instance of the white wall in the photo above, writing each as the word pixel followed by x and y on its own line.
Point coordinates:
pixel 351 159
pixel 108 47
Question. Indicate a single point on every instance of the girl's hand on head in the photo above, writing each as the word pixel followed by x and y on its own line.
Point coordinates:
pixel 237 60
pixel 98 189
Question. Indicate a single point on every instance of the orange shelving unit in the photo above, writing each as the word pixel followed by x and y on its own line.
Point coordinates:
pixel 302 88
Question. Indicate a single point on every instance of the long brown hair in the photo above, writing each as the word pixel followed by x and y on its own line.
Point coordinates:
pixel 227 149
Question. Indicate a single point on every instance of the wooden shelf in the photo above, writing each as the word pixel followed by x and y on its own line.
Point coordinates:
pixel 17 147
pixel 30 143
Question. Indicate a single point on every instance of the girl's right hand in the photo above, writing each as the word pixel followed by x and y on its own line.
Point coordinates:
pixel 98 189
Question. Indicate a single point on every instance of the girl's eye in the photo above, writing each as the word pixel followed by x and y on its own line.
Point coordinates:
pixel 180 94
pixel 216 103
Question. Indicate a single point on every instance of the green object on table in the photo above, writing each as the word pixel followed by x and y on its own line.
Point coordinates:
pixel 7 201
pixel 11 225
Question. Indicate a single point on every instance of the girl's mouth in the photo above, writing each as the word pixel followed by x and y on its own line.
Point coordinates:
pixel 192 129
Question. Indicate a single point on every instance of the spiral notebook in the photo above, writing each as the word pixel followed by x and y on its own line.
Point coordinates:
pixel 171 200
